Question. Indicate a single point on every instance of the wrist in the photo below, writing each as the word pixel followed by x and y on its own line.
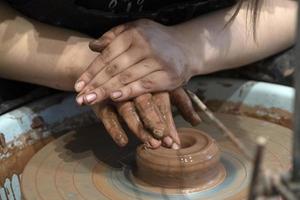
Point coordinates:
pixel 194 59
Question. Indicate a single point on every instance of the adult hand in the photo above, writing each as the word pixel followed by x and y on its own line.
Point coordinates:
pixel 149 117
pixel 135 58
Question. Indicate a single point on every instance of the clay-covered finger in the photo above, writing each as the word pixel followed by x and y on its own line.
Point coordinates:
pixel 184 104
pixel 129 113
pixel 150 115
pixel 162 101
pixel 109 118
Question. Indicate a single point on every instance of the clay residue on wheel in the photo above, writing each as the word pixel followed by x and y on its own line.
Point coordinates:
pixel 274 115
pixel 13 159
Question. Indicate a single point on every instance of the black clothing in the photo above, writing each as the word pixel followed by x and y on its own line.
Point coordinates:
pixel 93 17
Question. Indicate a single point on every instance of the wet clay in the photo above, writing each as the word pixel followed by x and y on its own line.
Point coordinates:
pixel 87 164
pixel 195 165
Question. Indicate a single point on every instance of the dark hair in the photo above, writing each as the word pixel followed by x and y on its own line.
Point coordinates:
pixel 253 7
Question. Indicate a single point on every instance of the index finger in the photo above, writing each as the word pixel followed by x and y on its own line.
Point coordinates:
pixel 162 101
pixel 150 115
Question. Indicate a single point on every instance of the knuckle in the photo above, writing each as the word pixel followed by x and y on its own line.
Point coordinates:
pixel 100 91
pixel 147 83
pixel 152 63
pixel 93 85
pixel 127 108
pixel 103 90
pixel 106 53
pixel 125 60
pixel 140 38
pixel 98 62
pixel 90 88
pixel 145 41
pixel 111 69
pixel 147 66
pixel 87 76
pixel 128 92
pixel 125 77
pixel 140 33
pixel 112 86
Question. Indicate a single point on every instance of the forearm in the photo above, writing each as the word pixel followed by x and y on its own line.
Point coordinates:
pixel 34 52
pixel 211 47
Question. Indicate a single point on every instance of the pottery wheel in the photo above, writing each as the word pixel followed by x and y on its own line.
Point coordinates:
pixel 86 165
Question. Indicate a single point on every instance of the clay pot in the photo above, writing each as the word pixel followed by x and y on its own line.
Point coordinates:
pixel 196 164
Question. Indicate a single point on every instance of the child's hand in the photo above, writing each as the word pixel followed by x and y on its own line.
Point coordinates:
pixel 135 58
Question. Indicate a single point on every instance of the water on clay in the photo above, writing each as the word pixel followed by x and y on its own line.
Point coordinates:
pixel 86 164
pixel 196 166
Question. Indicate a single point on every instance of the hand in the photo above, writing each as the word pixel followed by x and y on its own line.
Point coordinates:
pixel 149 117
pixel 135 59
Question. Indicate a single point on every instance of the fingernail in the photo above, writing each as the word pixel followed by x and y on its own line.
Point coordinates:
pixel 116 94
pixel 79 86
pixel 168 141
pixel 175 146
pixel 90 97
pixel 158 133
pixel 154 144
pixel 195 119
pixel 121 140
pixel 79 100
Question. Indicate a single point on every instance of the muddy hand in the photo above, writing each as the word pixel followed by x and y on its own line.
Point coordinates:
pixel 155 111
pixel 181 100
pixel 150 115
pixel 129 113
pixel 162 101
pixel 109 118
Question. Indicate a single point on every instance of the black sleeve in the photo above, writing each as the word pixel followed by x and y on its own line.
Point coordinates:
pixel 16 2
pixel 93 20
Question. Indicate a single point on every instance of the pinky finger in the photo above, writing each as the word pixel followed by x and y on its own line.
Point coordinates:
pixel 185 106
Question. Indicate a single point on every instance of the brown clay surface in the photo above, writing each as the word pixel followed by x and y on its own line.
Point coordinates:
pixel 274 115
pixel 195 165
pixel 88 165
pixel 19 157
